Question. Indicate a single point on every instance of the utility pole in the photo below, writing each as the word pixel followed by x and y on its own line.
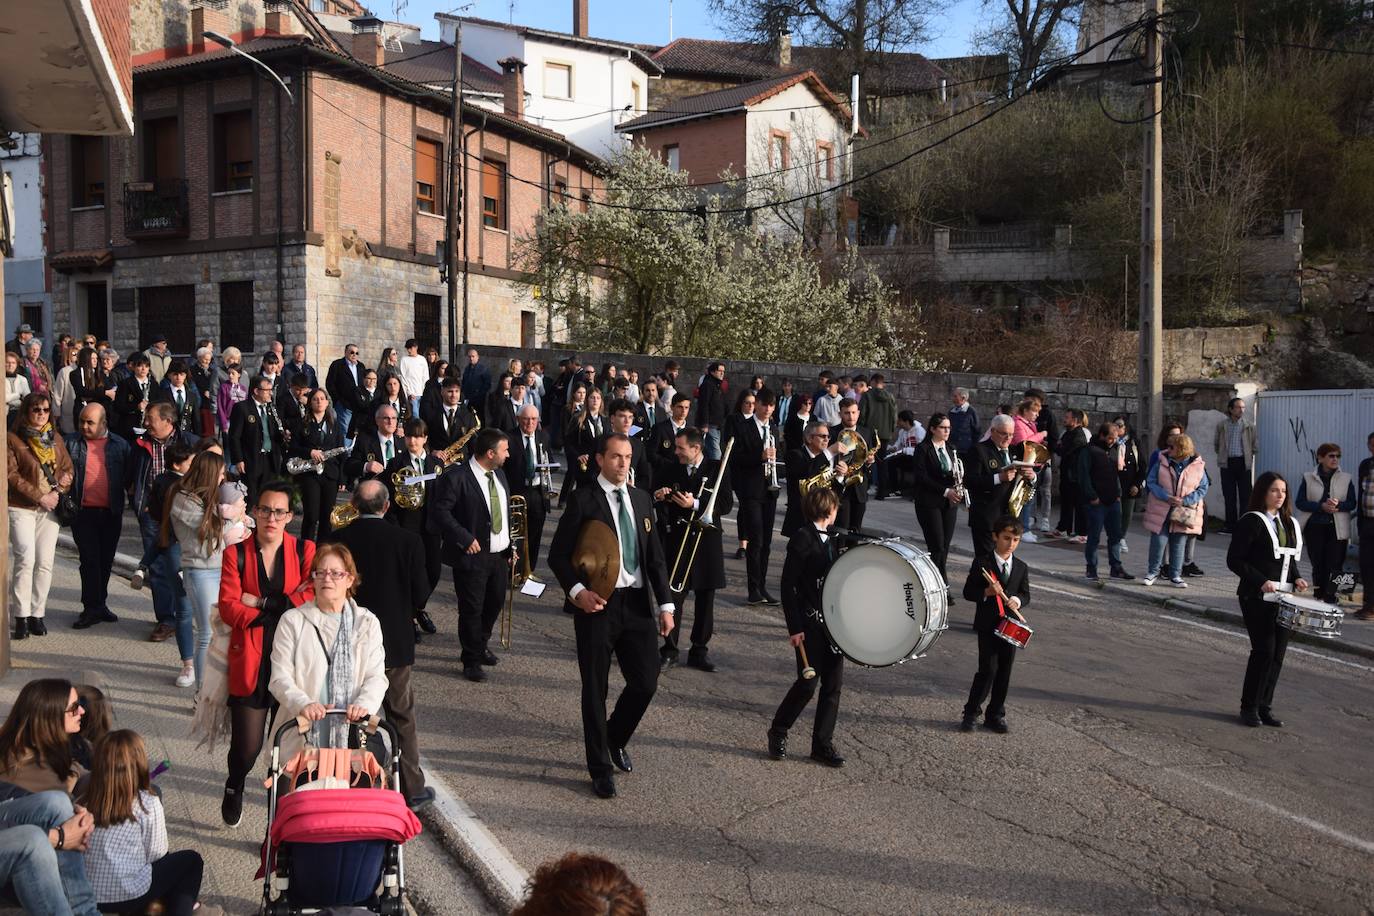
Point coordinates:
pixel 457 168
pixel 1150 384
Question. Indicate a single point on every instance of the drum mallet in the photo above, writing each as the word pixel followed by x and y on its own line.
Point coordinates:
pixel 807 671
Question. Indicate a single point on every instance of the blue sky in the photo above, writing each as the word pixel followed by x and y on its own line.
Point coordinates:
pixel 647 20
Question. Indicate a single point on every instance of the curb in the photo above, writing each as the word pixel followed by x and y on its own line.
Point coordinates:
pixel 461 832
pixel 1206 611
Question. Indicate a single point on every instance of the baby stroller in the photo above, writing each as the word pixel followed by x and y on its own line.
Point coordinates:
pixel 336 823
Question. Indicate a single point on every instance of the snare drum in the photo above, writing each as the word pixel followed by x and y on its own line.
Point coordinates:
pixel 1310 616
pixel 884 602
pixel 1013 631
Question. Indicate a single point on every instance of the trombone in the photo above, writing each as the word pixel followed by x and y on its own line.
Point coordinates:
pixel 519 567
pixel 691 536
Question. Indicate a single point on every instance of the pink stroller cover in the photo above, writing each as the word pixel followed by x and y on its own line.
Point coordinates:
pixel 342 815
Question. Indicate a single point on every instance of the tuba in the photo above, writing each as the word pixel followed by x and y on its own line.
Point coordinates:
pixel 1023 491
pixel 407 496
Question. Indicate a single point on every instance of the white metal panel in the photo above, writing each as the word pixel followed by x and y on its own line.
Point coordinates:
pixel 1290 425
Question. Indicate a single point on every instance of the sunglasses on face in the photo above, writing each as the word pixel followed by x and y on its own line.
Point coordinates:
pixel 75 709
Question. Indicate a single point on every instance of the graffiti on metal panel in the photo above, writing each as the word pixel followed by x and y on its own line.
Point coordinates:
pixel 1300 443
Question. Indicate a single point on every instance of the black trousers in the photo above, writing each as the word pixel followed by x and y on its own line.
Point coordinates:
pixel 937 527
pixel 1327 553
pixel 481 589
pixel 628 628
pixel 981 529
pixel 1235 488
pixel 434 558
pixel 829 666
pixel 1367 561
pixel 1072 518
pixel 256 473
pixel 534 526
pixel 318 495
pixel 1268 643
pixel 756 526
pixel 96 532
pixel 995 658
pixel 703 624
pixel 894 471
pixel 176 882
pixel 851 514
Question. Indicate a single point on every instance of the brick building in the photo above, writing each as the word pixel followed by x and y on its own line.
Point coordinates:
pixel 205 225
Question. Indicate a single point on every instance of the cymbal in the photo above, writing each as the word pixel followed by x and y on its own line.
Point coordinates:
pixel 597 557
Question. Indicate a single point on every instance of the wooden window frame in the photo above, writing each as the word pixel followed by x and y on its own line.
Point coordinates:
pixel 544 76
pixel 436 196
pixel 668 149
pixel 775 135
pixel 825 160
pixel 225 179
pixel 498 216
pixel 86 193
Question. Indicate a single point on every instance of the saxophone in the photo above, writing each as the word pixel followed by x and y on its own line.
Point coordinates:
pixel 454 453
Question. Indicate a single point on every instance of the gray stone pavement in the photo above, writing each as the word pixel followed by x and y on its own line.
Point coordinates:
pixel 138 677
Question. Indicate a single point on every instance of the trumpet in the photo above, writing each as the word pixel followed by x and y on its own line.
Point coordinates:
pixel 691 536
pixel 771 473
pixel 545 470
pixel 958 467
pixel 454 453
pixel 519 567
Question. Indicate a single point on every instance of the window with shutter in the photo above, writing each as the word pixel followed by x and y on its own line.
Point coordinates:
pixel 428 155
pixel 493 194
pixel 234 151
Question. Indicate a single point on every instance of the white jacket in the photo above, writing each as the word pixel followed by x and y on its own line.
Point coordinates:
pixel 414 375
pixel 300 667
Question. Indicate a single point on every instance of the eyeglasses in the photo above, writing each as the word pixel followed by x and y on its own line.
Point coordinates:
pixel 265 512
pixel 39 410
pixel 331 575
pixel 75 709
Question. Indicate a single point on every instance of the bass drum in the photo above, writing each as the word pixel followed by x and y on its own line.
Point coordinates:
pixel 884 602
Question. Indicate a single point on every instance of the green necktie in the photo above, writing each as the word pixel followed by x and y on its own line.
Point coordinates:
pixel 181 403
pixel 266 433
pixel 529 458
pixel 386 450
pixel 1006 457
pixel 944 460
pixel 629 544
pixel 495 497
pixel 1283 532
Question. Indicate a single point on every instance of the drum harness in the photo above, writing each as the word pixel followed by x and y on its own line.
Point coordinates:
pixel 1287 554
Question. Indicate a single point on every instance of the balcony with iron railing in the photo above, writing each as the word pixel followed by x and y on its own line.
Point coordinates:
pixel 157 209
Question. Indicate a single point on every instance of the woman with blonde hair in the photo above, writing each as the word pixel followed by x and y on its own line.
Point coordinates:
pixel 328 654
pixel 1176 485
pixel 193 517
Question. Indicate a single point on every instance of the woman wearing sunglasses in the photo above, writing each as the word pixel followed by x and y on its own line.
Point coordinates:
pixel 40 471
pixel 260 580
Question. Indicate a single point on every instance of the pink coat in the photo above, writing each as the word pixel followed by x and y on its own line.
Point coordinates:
pixel 1157 510
pixel 1023 429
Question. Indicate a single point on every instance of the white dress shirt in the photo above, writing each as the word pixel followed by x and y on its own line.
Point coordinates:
pixel 500 540
pixel 624 580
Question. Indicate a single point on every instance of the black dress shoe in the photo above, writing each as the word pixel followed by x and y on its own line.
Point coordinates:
pixel 1269 719
pixel 702 662
pixel 1122 574
pixel 474 673
pixel 105 615
pixel 756 600
pixel 666 661
pixel 426 623
pixel 489 657
pixel 21 628
pixel 419 637
pixel 827 756
pixel 996 725
pixel 967 723
pixel 739 553
pixel 84 622
pixel 1192 570
pixel 621 758
pixel 777 744
pixel 769 599
pixel 37 627
pixel 604 786
pixel 1250 718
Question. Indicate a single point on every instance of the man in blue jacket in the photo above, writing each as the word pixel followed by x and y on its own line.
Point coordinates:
pixel 103 473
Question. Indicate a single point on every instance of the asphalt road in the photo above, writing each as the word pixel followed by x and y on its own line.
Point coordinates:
pixel 1126 783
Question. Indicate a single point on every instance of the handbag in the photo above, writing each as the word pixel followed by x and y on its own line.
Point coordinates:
pixel 1183 516
pixel 66 508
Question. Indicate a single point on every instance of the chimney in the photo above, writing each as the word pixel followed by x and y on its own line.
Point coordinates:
pixel 368 45
pixel 212 15
pixel 513 85
pixel 279 20
pixel 580 18
pixel 782 49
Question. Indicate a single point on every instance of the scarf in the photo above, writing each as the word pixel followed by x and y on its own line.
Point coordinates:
pixel 339 682
pixel 41 442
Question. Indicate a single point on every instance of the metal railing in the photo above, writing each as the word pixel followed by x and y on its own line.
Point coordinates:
pixel 156 209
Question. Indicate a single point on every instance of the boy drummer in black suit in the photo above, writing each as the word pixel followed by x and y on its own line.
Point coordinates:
pixel 810 552
pixel 995 655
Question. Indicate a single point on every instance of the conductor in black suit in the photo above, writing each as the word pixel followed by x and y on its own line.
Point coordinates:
pixel 854 498
pixel 394 587
pixel 472 514
pixel 681 496
pixel 758 442
pixel 529 447
pixel 255 442
pixel 995 655
pixel 989 476
pixel 937 498
pixel 626 622
pixel 816 454
pixel 810 552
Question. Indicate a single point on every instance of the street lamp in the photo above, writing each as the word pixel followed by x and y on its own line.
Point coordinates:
pixel 229 43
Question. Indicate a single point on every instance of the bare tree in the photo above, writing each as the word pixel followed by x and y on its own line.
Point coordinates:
pixel 1029 32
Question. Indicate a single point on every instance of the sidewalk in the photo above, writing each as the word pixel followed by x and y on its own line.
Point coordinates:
pixel 138 676
pixel 1212 595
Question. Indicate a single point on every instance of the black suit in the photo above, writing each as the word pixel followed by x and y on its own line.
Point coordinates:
pixel 800 466
pixel 461 515
pixel 417 520
pixel 995 655
pixel 936 515
pixel 989 496
pixel 341 385
pixel 803 572
pixel 627 626
pixel 188 417
pixel 758 506
pixel 501 413
pixel 794 431
pixel 318 491
pixel 661 445
pixel 394 588
pixel 1251 556
pixel 125 413
pixel 519 473
pixel 708 568
pixel 244 443
pixel 361 421
pixel 646 425
pixel 854 499
pixel 442 433
pixel 290 412
pixel 369 447
pixel 579 439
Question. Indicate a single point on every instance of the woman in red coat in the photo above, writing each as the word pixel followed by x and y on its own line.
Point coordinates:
pixel 261 579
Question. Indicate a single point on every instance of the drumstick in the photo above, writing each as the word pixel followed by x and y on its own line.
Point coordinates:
pixel 807 671
pixel 997 587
